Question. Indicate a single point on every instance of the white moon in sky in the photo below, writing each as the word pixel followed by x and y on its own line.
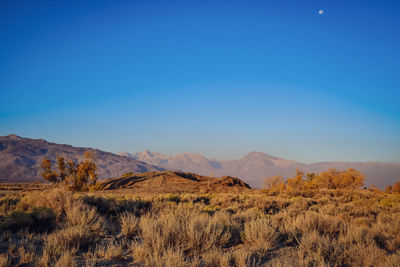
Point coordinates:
pixel 321 11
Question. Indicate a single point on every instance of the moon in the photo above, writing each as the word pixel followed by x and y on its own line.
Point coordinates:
pixel 321 11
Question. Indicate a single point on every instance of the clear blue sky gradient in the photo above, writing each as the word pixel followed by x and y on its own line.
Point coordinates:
pixel 221 78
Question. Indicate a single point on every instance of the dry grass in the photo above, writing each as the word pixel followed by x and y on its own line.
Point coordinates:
pixel 129 225
pixel 110 251
pixel 66 260
pixel 4 260
pixel 26 256
pixel 260 234
pixel 331 228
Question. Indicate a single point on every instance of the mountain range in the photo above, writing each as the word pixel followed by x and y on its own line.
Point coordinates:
pixel 20 160
pixel 256 166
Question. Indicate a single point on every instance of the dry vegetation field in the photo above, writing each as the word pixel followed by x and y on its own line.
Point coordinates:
pixel 329 227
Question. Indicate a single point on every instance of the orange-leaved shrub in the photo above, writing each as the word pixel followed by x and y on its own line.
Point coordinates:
pixel 331 179
pixel 80 177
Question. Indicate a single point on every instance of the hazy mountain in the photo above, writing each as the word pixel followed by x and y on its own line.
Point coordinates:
pixel 20 159
pixel 255 166
pixel 186 162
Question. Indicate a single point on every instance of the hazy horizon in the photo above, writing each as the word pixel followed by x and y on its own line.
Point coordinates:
pixel 205 155
pixel 216 78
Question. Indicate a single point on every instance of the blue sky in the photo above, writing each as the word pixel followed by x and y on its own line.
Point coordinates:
pixel 221 78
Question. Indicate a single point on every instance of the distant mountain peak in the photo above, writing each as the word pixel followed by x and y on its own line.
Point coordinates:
pixel 14 136
pixel 259 155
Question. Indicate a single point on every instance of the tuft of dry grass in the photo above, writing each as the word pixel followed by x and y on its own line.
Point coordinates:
pixel 4 260
pixel 169 258
pixel 129 224
pixel 110 251
pixel 44 260
pixel 57 199
pixel 26 256
pixel 72 238
pixel 260 234
pixel 85 217
pixel 66 260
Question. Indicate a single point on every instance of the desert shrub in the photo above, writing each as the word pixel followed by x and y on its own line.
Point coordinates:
pixel 129 224
pixel 386 233
pixel 26 256
pixel 172 198
pixel 247 215
pixel 391 261
pixel 66 260
pixel 205 232
pixel 8 204
pixel 274 183
pixel 396 188
pixel 44 260
pixel 361 255
pixel 4 260
pixel 187 230
pixel 57 199
pixel 202 199
pixel 159 234
pixel 355 247
pixel 83 228
pixel 40 219
pixel 169 258
pixel 71 238
pixel 312 221
pixel 217 258
pixel 84 216
pixel 16 220
pixel 114 207
pixel 244 258
pixel 314 249
pixel 110 251
pixel 43 218
pixel 299 206
pixel 260 234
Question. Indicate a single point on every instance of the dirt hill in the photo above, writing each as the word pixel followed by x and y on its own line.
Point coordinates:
pixel 175 182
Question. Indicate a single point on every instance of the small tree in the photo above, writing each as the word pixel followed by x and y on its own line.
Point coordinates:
pixel 351 178
pixel 79 176
pixel 389 189
pixel 328 179
pixel 62 169
pixel 373 188
pixel 274 183
pixel 71 172
pixel 48 174
pixel 91 168
pixel 396 188
pixel 297 182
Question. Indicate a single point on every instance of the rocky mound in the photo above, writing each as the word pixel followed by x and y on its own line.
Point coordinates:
pixel 175 182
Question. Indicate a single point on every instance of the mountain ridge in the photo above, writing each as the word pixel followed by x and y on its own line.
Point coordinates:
pixel 20 159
